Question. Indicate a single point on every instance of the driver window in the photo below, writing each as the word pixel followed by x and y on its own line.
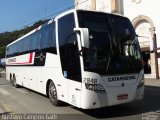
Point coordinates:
pixel 68 48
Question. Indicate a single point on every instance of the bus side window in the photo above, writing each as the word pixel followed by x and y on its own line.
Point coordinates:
pixel 35 41
pixel 8 52
pixel 69 48
pixel 48 41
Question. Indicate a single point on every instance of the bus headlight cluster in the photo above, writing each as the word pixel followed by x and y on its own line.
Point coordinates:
pixel 140 84
pixel 94 87
pixel 141 81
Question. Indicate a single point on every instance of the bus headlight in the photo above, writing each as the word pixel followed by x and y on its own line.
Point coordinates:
pixel 140 84
pixel 141 81
pixel 95 87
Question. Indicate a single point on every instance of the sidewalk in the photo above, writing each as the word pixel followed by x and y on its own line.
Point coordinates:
pixel 152 82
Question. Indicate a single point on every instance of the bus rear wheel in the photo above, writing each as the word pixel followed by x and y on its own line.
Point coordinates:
pixel 11 79
pixel 52 92
pixel 14 83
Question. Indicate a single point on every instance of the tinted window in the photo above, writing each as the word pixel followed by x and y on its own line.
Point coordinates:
pixel 11 49
pixel 69 48
pixel 25 44
pixel 120 25
pixel 44 39
pixel 111 50
pixel 35 40
pixel 48 39
pixel 96 56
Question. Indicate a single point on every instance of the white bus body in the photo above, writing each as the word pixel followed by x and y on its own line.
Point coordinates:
pixel 87 59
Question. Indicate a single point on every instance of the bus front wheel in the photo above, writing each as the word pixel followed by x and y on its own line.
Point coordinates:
pixel 52 92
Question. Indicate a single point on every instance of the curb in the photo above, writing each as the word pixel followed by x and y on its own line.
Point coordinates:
pixel 152 82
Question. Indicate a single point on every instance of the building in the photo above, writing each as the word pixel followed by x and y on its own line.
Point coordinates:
pixel 101 5
pixel 145 20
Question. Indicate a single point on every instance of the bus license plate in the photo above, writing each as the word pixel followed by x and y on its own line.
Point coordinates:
pixel 122 97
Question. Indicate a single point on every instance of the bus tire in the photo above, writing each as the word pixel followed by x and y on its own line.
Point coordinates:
pixel 14 82
pixel 52 92
pixel 11 79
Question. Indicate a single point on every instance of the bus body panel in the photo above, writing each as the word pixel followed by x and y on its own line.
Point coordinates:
pixel 74 91
pixel 110 95
pixel 92 99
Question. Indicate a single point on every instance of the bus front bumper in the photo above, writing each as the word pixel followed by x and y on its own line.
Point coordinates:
pixel 111 96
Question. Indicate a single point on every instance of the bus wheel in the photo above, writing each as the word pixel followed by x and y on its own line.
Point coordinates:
pixel 14 81
pixel 11 80
pixel 52 92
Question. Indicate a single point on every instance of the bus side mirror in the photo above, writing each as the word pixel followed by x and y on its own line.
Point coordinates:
pixel 128 34
pixel 127 31
pixel 84 34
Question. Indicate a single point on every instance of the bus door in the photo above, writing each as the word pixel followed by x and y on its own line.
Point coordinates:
pixel 73 72
pixel 70 59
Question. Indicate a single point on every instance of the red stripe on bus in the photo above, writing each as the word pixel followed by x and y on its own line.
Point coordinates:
pixel 30 60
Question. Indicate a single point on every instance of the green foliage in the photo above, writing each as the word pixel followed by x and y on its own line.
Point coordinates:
pixel 2 51
pixel 8 37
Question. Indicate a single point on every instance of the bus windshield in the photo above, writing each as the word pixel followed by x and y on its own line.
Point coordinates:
pixel 113 45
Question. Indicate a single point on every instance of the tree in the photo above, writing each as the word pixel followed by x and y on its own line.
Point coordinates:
pixel 8 37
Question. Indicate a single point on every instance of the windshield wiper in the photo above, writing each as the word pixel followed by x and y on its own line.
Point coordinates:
pixel 109 56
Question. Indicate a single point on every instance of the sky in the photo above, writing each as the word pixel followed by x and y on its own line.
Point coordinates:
pixel 16 14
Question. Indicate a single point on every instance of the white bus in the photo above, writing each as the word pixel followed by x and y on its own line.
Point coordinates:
pixel 87 59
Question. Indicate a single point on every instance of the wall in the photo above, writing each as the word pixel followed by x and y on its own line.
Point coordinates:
pixel 147 8
pixel 144 15
pixel 98 5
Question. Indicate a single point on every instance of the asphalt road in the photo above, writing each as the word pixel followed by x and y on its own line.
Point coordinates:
pixel 24 101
